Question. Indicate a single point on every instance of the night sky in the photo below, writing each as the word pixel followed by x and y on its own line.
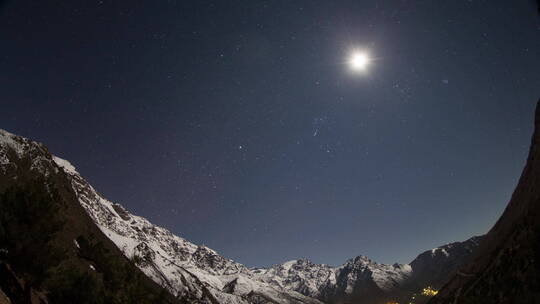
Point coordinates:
pixel 240 125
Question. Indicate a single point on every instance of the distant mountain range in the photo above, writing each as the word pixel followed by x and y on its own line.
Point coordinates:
pixel 187 272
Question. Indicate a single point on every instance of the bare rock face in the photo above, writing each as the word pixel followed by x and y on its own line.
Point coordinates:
pixel 506 266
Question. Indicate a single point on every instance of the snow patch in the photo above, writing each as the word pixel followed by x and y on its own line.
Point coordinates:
pixel 435 250
pixel 64 164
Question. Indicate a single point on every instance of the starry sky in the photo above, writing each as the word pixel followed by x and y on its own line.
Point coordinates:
pixel 239 124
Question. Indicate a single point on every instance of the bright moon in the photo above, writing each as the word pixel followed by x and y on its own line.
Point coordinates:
pixel 359 61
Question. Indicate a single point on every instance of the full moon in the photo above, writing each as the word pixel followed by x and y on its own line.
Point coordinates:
pixel 359 61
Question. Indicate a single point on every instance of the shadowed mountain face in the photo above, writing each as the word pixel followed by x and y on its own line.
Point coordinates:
pixel 506 266
pixel 434 267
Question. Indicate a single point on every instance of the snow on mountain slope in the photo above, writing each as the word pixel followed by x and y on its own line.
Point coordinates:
pixel 299 275
pixel 185 269
pixel 323 281
pixel 386 277
pixel 199 274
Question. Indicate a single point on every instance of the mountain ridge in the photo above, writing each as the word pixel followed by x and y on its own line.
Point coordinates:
pixel 197 273
pixel 51 250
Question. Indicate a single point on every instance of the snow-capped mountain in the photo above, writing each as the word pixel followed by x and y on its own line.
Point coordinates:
pixel 326 282
pixel 364 281
pixel 199 274
pixel 192 273
pixel 185 269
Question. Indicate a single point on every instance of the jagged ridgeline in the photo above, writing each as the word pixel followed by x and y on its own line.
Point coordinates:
pixel 50 249
pixel 62 242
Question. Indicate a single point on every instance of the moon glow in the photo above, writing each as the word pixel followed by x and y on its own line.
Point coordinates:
pixel 359 61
